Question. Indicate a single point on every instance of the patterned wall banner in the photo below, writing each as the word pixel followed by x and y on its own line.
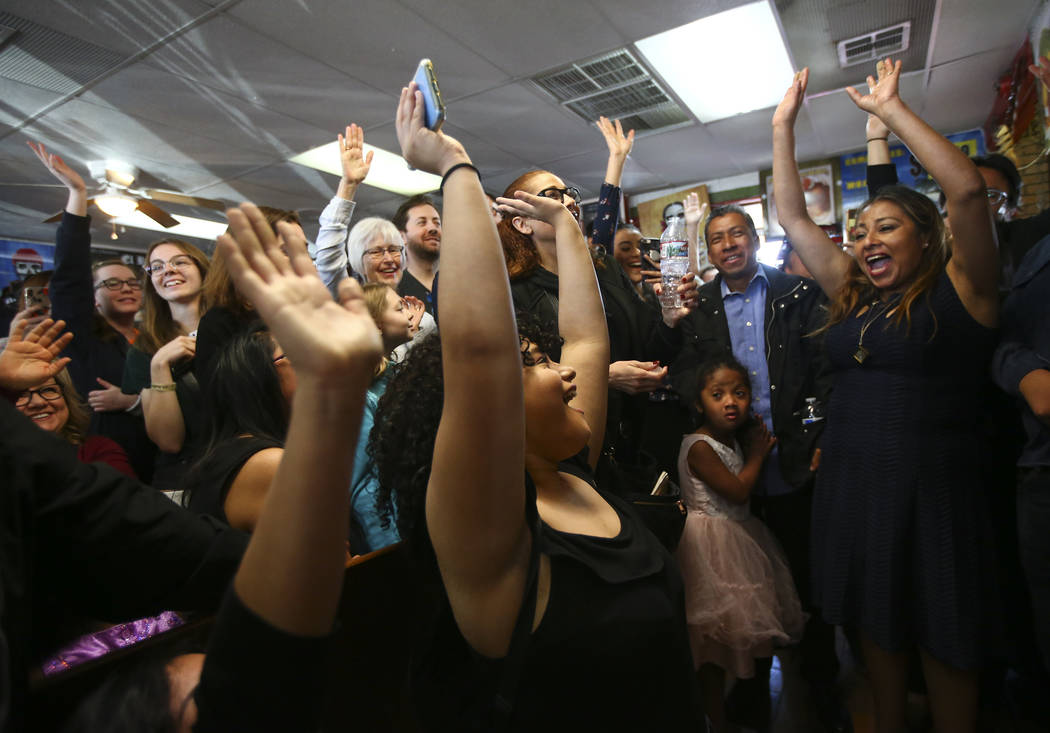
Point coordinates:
pixel 853 168
pixel 19 260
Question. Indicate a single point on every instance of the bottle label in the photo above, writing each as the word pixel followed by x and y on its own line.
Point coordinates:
pixel 673 248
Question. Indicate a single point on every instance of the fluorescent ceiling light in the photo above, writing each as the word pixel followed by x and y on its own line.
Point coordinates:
pixel 188 226
pixel 725 64
pixel 389 171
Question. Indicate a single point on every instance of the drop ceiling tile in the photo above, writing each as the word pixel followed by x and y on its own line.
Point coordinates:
pixel 19 101
pixel 961 93
pixel 684 155
pixel 376 41
pixel 524 123
pixel 114 24
pixel 174 101
pixel 553 29
pixel 284 186
pixel 969 27
pixel 748 140
pixel 224 54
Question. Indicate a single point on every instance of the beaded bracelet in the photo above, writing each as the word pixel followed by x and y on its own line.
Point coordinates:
pixel 163 387
pixel 454 168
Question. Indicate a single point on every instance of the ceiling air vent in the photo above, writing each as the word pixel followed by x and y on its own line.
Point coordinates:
pixel 617 86
pixel 875 45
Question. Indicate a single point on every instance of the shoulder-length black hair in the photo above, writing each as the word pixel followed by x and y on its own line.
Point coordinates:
pixel 243 396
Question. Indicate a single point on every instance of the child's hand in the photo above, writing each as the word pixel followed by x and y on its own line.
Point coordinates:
pixel 760 441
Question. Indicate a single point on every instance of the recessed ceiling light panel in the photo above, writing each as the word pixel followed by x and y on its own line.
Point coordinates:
pixel 725 64
pixel 389 172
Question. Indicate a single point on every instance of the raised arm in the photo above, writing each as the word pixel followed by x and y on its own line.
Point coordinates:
pixel 974 266
pixel 608 215
pixel 475 504
pixel 291 575
pixel 821 256
pixel 581 316
pixel 329 252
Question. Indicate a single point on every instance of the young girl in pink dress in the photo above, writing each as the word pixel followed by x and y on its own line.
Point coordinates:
pixel 740 600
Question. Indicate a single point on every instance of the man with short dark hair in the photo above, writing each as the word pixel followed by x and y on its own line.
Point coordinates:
pixel 419 222
pixel 763 318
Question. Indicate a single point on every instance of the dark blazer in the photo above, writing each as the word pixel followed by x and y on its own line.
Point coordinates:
pixel 797 363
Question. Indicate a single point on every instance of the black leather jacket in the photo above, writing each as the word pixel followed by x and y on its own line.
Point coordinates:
pixel 797 363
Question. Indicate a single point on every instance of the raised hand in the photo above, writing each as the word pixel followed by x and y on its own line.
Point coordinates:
pixel 534 207
pixel 882 91
pixel 875 127
pixel 32 357
pixel 619 144
pixel 416 309
pixel 351 155
pixel 787 110
pixel 325 340
pixel 694 210
pixel 58 168
pixel 425 149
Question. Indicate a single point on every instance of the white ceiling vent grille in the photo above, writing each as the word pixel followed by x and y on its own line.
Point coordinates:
pixel 45 58
pixel 617 86
pixel 874 45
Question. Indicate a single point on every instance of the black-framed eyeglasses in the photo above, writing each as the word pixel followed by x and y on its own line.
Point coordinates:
pixel 996 197
pixel 115 283
pixel 179 262
pixel 49 393
pixel 376 253
pixel 559 193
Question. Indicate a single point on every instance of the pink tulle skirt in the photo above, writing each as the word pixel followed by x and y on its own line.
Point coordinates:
pixel 740 600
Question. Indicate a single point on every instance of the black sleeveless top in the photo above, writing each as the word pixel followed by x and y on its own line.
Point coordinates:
pixel 611 650
pixel 208 482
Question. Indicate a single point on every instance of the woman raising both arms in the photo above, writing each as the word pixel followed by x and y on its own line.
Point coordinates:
pixel 898 550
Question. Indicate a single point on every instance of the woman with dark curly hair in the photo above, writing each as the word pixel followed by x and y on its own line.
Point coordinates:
pixel 550 592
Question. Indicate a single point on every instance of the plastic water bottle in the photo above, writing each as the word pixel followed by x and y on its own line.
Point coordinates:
pixel 674 262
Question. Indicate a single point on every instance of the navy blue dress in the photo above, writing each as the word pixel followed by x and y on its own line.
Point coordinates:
pixel 899 542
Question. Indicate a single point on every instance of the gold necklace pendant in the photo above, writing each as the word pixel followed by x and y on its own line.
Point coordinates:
pixel 860 354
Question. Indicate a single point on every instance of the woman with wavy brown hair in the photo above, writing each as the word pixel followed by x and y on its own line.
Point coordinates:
pixel 900 553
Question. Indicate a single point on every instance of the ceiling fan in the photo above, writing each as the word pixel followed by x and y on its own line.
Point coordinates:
pixel 114 196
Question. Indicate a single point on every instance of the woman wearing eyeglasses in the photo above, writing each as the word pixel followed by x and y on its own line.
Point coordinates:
pixel 54 406
pixel 159 366
pixel 639 340
pixel 99 303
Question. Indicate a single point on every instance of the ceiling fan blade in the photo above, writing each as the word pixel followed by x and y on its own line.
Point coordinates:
pixel 157 214
pixel 180 198
pixel 58 216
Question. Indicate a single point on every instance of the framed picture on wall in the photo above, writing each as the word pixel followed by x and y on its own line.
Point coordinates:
pixel 818 185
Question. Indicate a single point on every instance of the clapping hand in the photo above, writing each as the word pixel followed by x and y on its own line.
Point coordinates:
pixel 416 309
pixel 32 357
pixel 787 110
pixel 882 91
pixel 351 155
pixel 325 340
pixel 428 150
